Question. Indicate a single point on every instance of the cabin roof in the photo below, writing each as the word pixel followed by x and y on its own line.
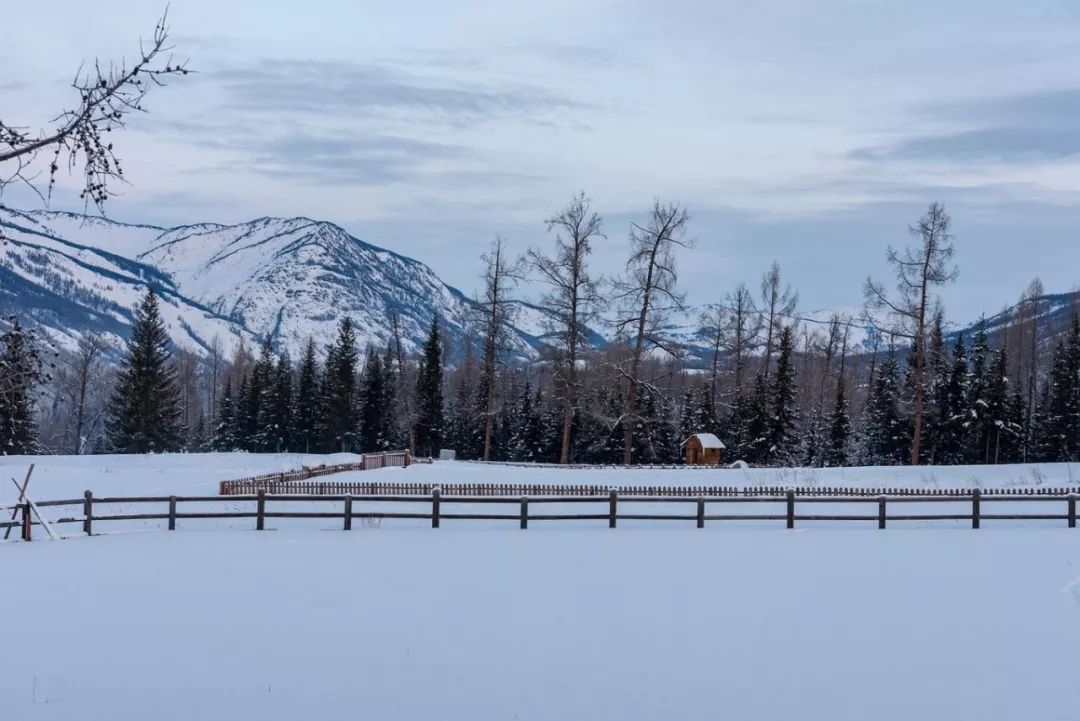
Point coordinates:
pixel 707 440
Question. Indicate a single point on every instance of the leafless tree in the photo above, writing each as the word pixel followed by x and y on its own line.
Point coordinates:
pixel 573 300
pixel 734 329
pixel 777 302
pixel 649 292
pixel 918 269
pixel 501 276
pixel 81 136
pixel 82 369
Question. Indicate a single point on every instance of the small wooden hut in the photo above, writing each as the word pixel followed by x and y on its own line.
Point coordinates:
pixel 703 449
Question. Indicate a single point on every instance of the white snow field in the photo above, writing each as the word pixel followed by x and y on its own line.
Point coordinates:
pixel 476 624
pixel 58 477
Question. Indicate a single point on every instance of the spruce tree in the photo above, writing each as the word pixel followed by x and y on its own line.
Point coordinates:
pixel 755 447
pixel 21 370
pixel 306 416
pixel 144 412
pixel 884 433
pixel 836 450
pixel 339 391
pixel 429 396
pixel 224 435
pixel 275 415
pixel 373 409
pixel 783 416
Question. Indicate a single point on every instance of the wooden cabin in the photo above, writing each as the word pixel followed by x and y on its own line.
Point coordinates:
pixel 703 449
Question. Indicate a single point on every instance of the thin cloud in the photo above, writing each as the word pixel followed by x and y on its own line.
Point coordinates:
pixel 344 88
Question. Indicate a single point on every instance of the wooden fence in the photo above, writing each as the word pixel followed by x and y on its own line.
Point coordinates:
pixel 284 479
pixel 613 507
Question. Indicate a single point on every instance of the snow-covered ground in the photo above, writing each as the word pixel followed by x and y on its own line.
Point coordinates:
pixel 199 474
pixel 57 477
pixel 828 625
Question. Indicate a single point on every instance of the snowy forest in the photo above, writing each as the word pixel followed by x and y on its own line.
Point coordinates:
pixel 777 389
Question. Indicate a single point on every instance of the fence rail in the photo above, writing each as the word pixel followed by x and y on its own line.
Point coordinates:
pixel 700 510
pixel 283 479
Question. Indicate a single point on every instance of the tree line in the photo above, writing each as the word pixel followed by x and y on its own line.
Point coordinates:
pixel 779 389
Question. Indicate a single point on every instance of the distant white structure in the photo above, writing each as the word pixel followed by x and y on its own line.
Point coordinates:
pixel 447 454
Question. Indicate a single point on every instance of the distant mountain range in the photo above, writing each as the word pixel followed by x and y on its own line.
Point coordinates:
pixel 286 278
pixel 289 278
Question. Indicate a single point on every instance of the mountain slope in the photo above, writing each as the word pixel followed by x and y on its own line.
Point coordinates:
pixel 287 278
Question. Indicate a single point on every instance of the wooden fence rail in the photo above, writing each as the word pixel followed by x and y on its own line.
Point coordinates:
pixel 611 507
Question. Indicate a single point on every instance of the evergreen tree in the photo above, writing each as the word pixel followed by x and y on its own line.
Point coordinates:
pixel 144 412
pixel 782 395
pixel 374 413
pixel 755 447
pixel 275 415
pixel 884 434
pixel 224 434
pixel 978 423
pixel 339 391
pixel 950 419
pixel 306 415
pixel 429 396
pixel 836 450
pixel 21 369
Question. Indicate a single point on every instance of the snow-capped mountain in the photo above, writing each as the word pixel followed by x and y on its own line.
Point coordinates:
pixel 286 278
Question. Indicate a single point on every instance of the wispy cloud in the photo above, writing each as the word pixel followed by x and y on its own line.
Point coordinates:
pixel 335 88
pixel 1024 128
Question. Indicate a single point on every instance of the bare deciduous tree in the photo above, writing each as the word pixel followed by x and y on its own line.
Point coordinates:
pixel 918 269
pixel 573 301
pixel 83 367
pixel 733 328
pixel 81 137
pixel 649 292
pixel 501 275
pixel 778 302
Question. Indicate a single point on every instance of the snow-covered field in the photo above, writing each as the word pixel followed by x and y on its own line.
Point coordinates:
pixel 482 624
pixel 199 474
pixel 57 477
pixel 485 621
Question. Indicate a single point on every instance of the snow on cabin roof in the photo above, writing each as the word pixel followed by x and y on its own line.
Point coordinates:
pixel 707 440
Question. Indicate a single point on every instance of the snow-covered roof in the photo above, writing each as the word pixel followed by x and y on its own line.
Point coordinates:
pixel 707 440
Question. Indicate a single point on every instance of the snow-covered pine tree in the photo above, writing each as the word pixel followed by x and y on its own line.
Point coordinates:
pixel 430 422
pixel 276 412
pixel 783 417
pixel 224 435
pixel 21 370
pixel 373 411
pixel 339 391
pixel 836 448
pixel 950 400
pixel 144 411
pixel 976 406
pixel 885 435
pixel 755 446
pixel 306 416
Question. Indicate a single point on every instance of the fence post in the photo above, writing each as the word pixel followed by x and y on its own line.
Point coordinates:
pixel 701 513
pixel 260 511
pixel 976 495
pixel 348 512
pixel 26 533
pixel 524 511
pixel 1072 510
pixel 88 512
pixel 436 496
pixel 791 509
pixel 881 512
pixel 172 513
pixel 613 501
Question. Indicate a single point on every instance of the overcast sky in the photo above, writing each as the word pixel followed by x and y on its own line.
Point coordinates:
pixel 808 132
